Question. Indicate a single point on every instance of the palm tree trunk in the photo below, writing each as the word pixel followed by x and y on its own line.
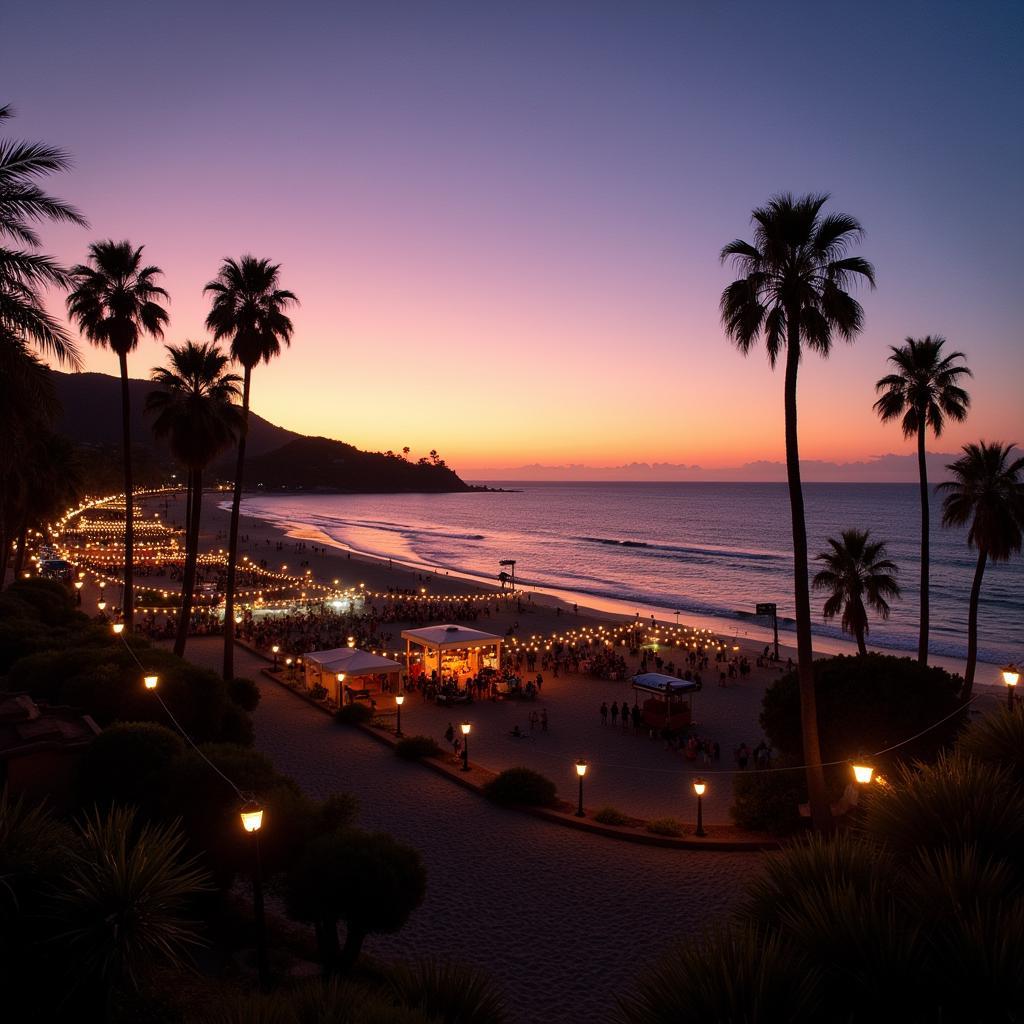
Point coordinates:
pixel 19 552
pixel 128 604
pixel 5 553
pixel 821 813
pixel 188 581
pixel 188 503
pixel 862 647
pixel 922 465
pixel 229 597
pixel 972 623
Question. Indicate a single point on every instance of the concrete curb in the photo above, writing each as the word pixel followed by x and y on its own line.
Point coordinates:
pixel 475 779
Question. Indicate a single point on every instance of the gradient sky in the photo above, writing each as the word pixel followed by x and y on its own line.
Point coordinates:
pixel 503 219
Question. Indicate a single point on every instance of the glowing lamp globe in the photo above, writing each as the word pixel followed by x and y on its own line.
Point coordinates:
pixel 252 817
pixel 1011 675
pixel 118 628
pixel 151 682
pixel 581 768
pixel 102 605
pixel 399 699
pixel 341 677
pixel 863 773
pixel 465 728
pixel 699 786
pixel 79 584
pixel 276 648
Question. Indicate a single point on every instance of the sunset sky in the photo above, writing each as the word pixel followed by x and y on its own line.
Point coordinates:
pixel 503 219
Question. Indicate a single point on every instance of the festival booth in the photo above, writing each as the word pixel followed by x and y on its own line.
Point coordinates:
pixel 349 674
pixel 455 650
pixel 669 701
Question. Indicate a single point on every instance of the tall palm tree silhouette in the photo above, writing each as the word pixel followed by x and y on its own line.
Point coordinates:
pixel 859 575
pixel 987 495
pixel 115 301
pixel 249 307
pixel 924 390
pixel 193 407
pixel 793 292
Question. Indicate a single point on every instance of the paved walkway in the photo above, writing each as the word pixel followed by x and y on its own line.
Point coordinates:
pixel 562 919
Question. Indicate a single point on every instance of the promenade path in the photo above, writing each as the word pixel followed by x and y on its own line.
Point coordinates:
pixel 563 919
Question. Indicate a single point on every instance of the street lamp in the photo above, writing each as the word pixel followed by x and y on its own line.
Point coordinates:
pixel 288 665
pixel 102 605
pixel 252 821
pixel 465 746
pixel 118 628
pixel 699 787
pixel 581 770
pixel 1011 676
pixel 399 701
pixel 150 682
pixel 275 650
pixel 78 591
pixel 351 641
pixel 862 772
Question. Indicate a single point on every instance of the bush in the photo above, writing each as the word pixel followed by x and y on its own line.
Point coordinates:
pixel 866 703
pixel 997 738
pixel 665 827
pixel 51 602
pixel 353 714
pixel 125 765
pixel 521 786
pixel 446 991
pixel 245 693
pixel 611 816
pixel 768 801
pixel 318 692
pixel 412 748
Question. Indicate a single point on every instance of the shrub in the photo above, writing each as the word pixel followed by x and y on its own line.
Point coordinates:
pixel 318 692
pixel 665 827
pixel 521 786
pixel 768 801
pixel 997 738
pixel 866 703
pixel 51 602
pixel 353 714
pixel 245 693
pixel 125 765
pixel 611 816
pixel 412 748
pixel 445 991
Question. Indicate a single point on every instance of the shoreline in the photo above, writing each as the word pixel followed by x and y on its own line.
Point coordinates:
pixel 593 609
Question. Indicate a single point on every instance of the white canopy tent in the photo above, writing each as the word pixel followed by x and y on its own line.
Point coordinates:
pixel 324 667
pixel 469 649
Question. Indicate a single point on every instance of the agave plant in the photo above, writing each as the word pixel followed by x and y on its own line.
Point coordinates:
pixel 740 973
pixel 449 991
pixel 122 906
pixel 997 738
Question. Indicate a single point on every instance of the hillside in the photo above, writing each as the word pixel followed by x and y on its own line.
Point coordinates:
pixel 276 458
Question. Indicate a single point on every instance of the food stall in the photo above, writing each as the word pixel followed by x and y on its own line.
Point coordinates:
pixel 668 701
pixel 348 673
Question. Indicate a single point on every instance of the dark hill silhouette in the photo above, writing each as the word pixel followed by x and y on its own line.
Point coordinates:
pixel 92 416
pixel 276 458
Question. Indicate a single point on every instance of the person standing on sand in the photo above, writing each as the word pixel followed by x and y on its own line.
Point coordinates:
pixel 615 712
pixel 543 719
pixel 604 712
pixel 449 734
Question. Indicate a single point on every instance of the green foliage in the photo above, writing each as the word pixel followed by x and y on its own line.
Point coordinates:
pixel 665 827
pixel 956 801
pixel 866 703
pixel 122 906
pixel 412 748
pixel 353 714
pixel 51 602
pixel 446 991
pixel 522 786
pixel 369 880
pixel 736 974
pixel 769 801
pixel 997 738
pixel 245 693
pixel 611 816
pixel 126 764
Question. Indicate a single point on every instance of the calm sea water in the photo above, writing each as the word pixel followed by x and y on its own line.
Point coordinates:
pixel 709 549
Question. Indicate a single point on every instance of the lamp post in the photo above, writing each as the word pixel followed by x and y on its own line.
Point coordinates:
pixel 78 591
pixel 465 746
pixel 1011 676
pixel 399 701
pixel 699 787
pixel 252 821
pixel 118 628
pixel 275 650
pixel 150 682
pixel 581 770
pixel 862 772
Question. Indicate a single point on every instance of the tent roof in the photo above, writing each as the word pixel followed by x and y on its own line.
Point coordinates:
pixel 658 682
pixel 352 661
pixel 450 636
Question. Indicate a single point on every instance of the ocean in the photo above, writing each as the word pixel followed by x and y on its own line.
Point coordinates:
pixel 702 549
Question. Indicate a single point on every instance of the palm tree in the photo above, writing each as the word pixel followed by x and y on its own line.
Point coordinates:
pixel 857 571
pixel 924 390
pixel 194 409
pixel 115 301
pixel 24 273
pixel 248 307
pixel 793 291
pixel 987 492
